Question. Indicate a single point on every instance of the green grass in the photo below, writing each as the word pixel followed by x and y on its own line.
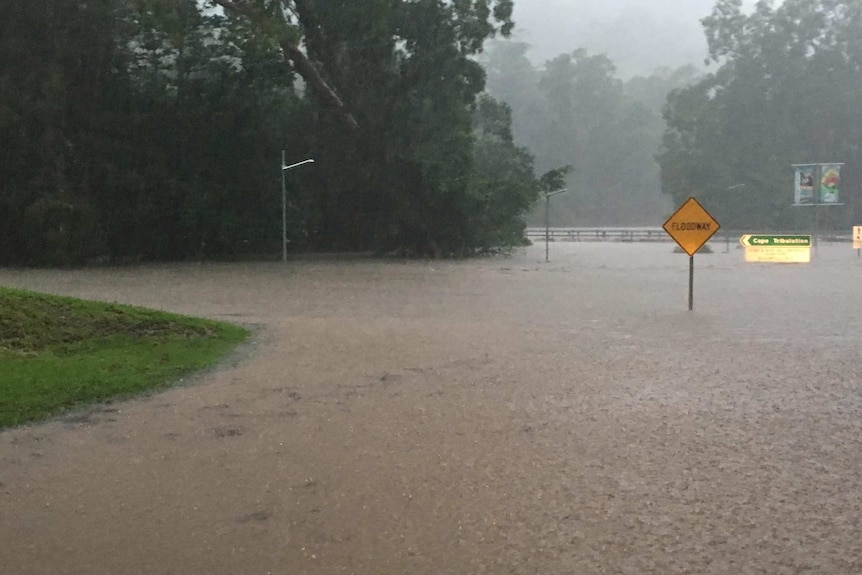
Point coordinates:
pixel 59 354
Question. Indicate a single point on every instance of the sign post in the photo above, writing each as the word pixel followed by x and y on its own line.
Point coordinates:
pixel 284 168
pixel 691 226
pixel 817 185
pixel 548 218
pixel 857 239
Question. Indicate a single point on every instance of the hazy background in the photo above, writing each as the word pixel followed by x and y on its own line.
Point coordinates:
pixel 638 35
pixel 587 83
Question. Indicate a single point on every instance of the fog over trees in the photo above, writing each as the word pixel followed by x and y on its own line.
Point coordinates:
pixel 779 86
pixel 576 111
pixel 637 35
pixel 784 88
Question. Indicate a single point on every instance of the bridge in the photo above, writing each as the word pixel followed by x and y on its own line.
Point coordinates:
pixel 648 234
pixel 602 234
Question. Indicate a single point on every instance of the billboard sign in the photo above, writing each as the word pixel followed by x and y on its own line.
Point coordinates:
pixel 803 184
pixel 817 184
pixel 830 182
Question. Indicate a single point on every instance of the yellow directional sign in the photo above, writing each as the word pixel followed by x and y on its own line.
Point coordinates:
pixel 691 226
pixel 857 237
pixel 777 255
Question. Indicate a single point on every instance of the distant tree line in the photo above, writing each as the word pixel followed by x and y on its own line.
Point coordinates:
pixel 786 89
pixel 152 129
pixel 574 110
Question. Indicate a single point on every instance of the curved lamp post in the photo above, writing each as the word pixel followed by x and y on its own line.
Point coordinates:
pixel 727 234
pixel 284 168
pixel 548 217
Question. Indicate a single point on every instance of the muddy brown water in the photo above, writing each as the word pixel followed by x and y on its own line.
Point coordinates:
pixel 499 415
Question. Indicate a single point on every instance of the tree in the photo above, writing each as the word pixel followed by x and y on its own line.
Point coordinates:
pixel 395 167
pixel 60 87
pixel 150 129
pixel 786 90
pixel 502 187
pixel 576 112
pixel 136 129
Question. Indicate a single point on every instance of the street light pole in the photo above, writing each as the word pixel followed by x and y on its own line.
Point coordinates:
pixel 284 168
pixel 548 218
pixel 727 234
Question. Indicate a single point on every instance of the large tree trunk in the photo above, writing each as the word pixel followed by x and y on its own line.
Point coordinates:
pixel 325 94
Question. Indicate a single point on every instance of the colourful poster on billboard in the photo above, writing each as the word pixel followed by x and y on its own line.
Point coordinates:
pixel 830 182
pixel 803 184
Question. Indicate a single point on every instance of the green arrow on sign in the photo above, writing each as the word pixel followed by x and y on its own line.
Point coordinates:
pixel 776 240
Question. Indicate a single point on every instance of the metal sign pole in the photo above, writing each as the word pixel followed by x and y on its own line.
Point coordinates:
pixel 283 213
pixel 818 174
pixel 547 225
pixel 691 227
pixel 548 217
pixel 690 283
pixel 284 168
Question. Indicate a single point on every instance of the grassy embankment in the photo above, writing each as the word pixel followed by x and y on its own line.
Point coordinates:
pixel 58 354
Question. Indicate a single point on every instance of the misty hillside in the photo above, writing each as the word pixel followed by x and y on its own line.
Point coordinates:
pixel 638 35
pixel 587 83
pixel 576 111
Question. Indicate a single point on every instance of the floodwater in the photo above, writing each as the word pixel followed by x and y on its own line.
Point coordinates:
pixel 499 415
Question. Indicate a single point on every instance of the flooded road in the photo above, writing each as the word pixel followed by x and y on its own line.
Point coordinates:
pixel 500 415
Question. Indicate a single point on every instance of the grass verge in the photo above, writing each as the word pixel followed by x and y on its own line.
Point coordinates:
pixel 59 354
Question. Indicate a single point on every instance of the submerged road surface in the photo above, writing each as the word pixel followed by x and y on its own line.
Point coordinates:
pixel 498 415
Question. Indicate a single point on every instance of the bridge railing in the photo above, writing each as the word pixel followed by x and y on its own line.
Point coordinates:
pixel 651 234
pixel 602 234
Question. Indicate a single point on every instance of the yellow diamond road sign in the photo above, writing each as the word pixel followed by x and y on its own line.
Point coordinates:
pixel 691 226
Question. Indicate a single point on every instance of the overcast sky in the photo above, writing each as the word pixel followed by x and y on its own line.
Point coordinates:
pixel 638 35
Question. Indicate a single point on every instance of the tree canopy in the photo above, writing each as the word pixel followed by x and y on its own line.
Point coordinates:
pixel 150 129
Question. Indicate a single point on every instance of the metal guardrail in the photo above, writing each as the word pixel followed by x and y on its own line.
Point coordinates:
pixel 600 234
pixel 650 234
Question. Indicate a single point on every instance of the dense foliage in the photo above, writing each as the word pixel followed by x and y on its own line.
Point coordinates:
pixel 152 129
pixel 786 90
